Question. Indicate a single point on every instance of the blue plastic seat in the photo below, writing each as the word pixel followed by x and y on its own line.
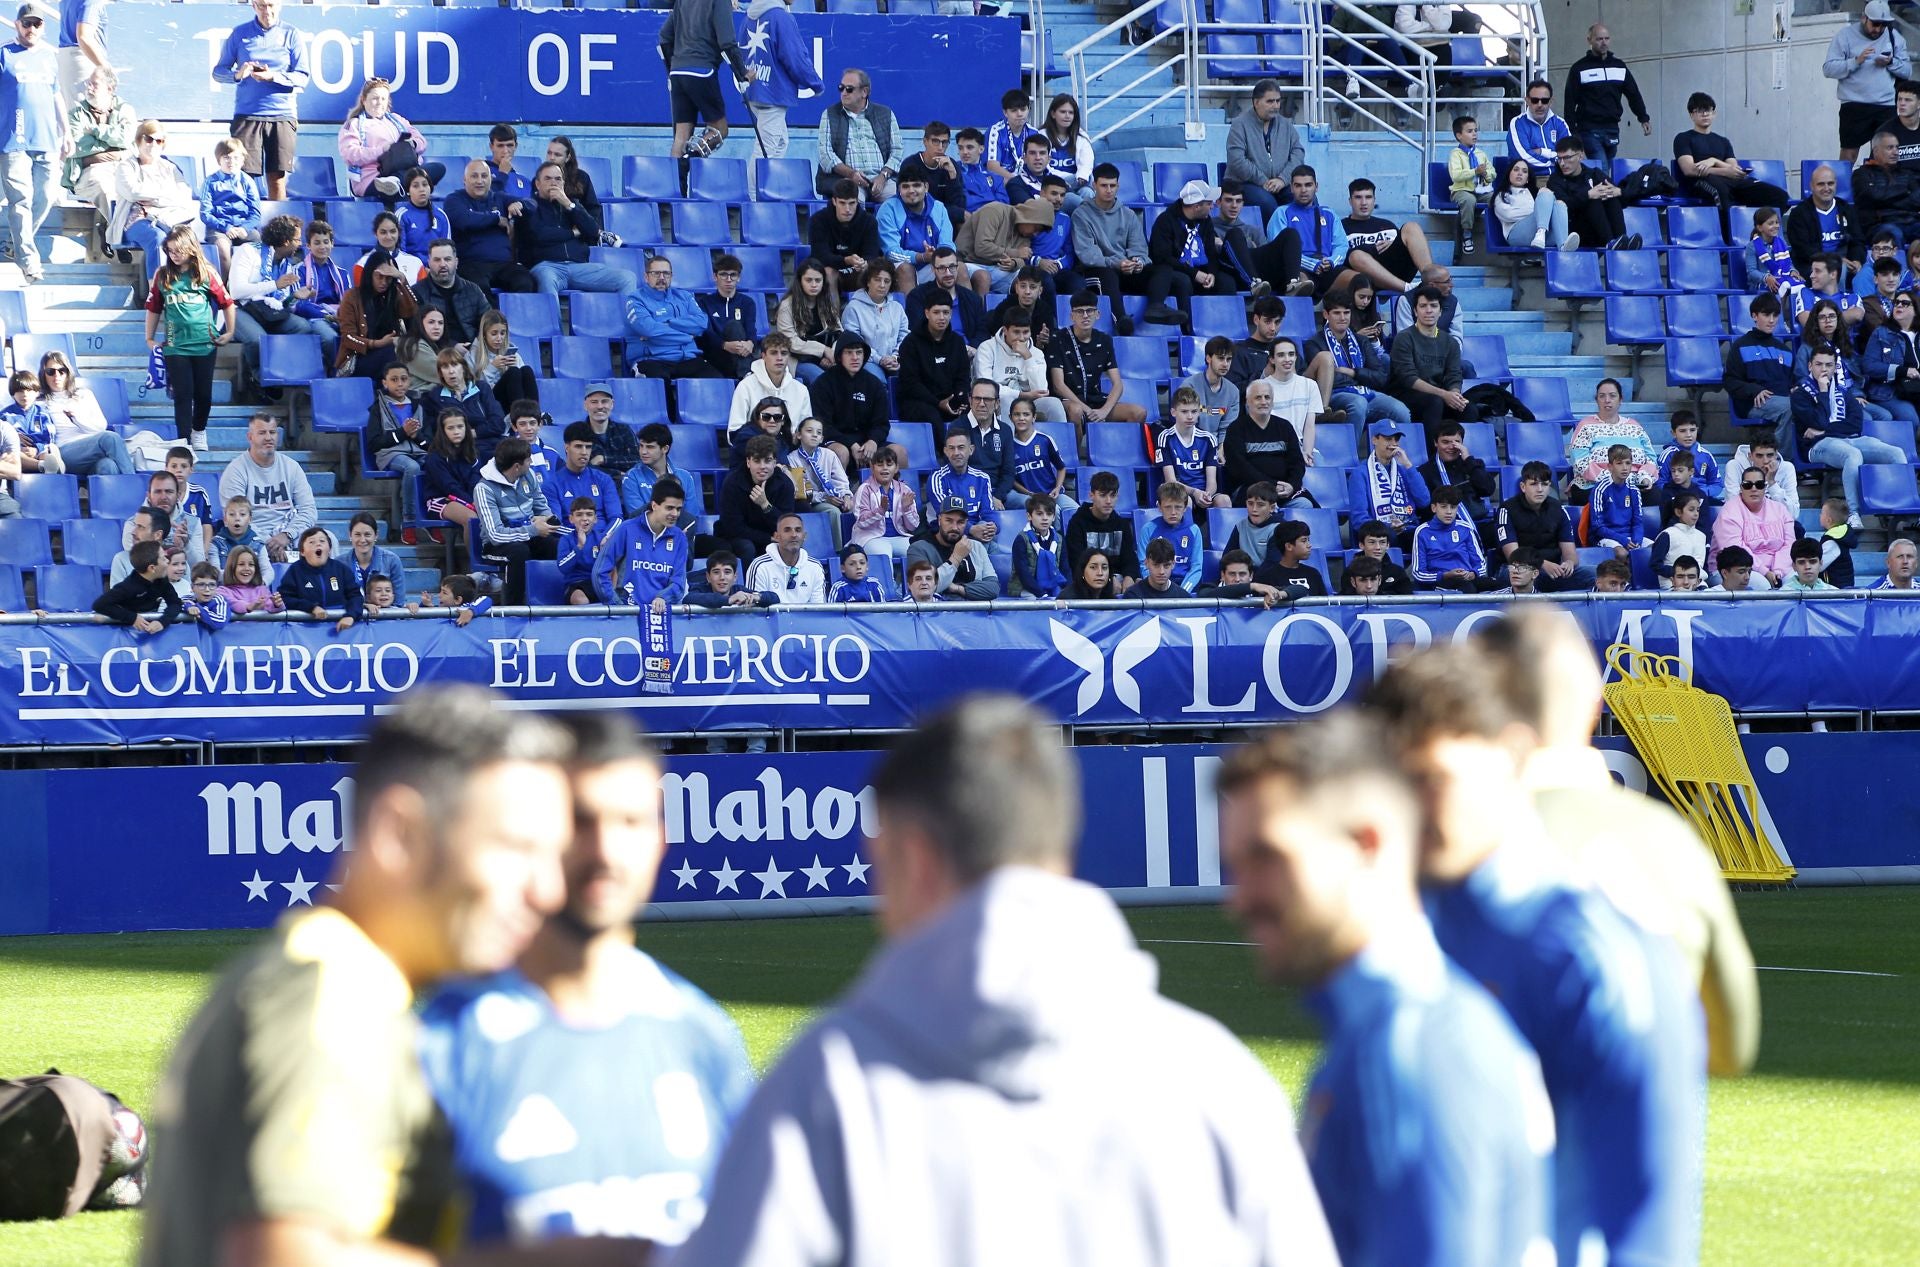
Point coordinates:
pixel 1141 357
pixel 760 268
pixel 1115 445
pixel 110 393
pixel 1574 275
pixel 1169 177
pixel 639 401
pixel 580 356
pixel 704 402
pixel 1488 353
pixel 1739 318
pixel 1546 397
pixel 545 588
pixel 67 587
pixel 692 266
pixel 635 223
pixel 353 221
pixel 1696 227
pixel 1634 319
pixel 1481 440
pixel 313 177
pixel 596 314
pixel 1696 362
pixel 1697 272
pixel 1537 442
pixel 1133 181
pixel 701 224
pixel 1842 176
pixel 1770 171
pixel 1644 221
pixel 534 316
pixel 1296 321
pixel 917 439
pixel 116 496
pixel 28 349
pixel 1635 273
pixel 1220 315
pixel 1696 316
pixel 717 179
pixel 697 448
pixel 341 404
pixel 290 360
pixel 1888 490
pixel 1328 485
pixel 26 541
pixel 1323 524
pixel 1894 432
pixel 1233 55
pixel 655 177
pixel 13 593
pixel 92 542
pixel 783 180
pixel 49 497
pixel 1336 443
pixel 769 224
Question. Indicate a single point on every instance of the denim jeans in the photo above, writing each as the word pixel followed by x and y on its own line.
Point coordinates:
pixel 409 468
pixel 554 276
pixel 1364 409
pixel 1601 143
pixel 1547 214
pixel 1849 454
pixel 102 453
pixel 30 182
pixel 249 329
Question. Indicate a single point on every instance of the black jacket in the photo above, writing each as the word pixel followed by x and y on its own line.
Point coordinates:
pixel 852 408
pixel 546 234
pixel 1252 453
pixel 1754 363
pixel 1483 485
pixel 741 520
pixel 137 596
pixel 1803 233
pixel 1169 235
pixel 969 312
pixel 1594 88
pixel 1250 357
pixel 931 371
pixel 1880 194
pixel 463 305
pixel 1393 580
pixel 1572 190
pixel 831 242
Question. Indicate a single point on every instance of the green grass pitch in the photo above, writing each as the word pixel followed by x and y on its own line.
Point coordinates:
pixel 1813 1159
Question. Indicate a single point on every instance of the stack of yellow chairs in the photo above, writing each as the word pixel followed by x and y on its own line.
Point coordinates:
pixel 1687 738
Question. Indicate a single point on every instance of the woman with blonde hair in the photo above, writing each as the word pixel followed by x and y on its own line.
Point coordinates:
pixel 150 197
pixel 495 362
pixel 188 299
pixel 379 146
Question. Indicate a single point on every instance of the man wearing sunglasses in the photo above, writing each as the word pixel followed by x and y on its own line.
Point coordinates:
pixel 1536 132
pixel 859 141
pixel 36 135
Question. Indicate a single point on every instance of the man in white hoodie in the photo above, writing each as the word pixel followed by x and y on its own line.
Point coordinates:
pixel 770 376
pixel 274 485
pixel 786 571
pixel 1010 359
pixel 1005 1083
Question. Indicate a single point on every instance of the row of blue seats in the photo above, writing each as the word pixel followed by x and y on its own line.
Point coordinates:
pixel 1578 274
pixel 53 499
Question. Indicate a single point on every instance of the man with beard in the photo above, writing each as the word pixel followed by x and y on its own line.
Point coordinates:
pixel 589 1088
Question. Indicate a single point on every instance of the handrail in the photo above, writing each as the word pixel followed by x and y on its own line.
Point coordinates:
pixel 1181 70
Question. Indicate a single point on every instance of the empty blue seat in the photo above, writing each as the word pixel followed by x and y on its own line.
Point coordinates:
pixel 769 224
pixel 917 439
pixel 1635 272
pixel 49 497
pixel 535 316
pixel 67 587
pixel 704 402
pixel 1644 221
pixel 29 349
pixel 1115 445
pixel 1695 227
pixel 783 180
pixel 1221 523
pixel 1696 272
pixel 1696 362
pixel 1481 441
pixel 1739 317
pixel 581 356
pixel 692 265
pixel 1169 177
pixel 1573 275
pixel 701 224
pixel 1537 442
pixel 1296 321
pixel 26 541
pixel 13 592
pixel 116 496
pixel 353 221
pixel 92 542
pixel 313 178
pixel 1488 354
pixel 697 448
pixel 341 404
pixel 1133 180
pixel 1695 316
pixel 760 269
pixel 1770 171
pixel 1328 485
pixel 1220 315
pixel 596 314
pixel 290 360
pixel 1634 319
pixel 1894 432
pixel 717 179
pixel 1545 397
pixel 1888 490
pixel 651 176
pixel 1233 55
pixel 1336 443
pixel 545 588
pixel 639 401
pixel 635 223
pixel 1323 524
pixel 1141 357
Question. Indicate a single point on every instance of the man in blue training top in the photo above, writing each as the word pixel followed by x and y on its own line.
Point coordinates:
pixel 590 1090
pixel 644 560
pixel 1323 242
pixel 1426 1126
pixel 1607 1006
pixel 35 136
pixel 266 62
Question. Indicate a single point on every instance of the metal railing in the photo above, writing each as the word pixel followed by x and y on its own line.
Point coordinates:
pixel 1177 77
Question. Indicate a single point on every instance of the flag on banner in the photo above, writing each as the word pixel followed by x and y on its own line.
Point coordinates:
pixel 656 638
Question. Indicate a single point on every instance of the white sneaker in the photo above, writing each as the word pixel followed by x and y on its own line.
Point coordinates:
pixel 1540 240
pixel 199 442
pixel 387 185
pixel 1853 522
pixel 1572 243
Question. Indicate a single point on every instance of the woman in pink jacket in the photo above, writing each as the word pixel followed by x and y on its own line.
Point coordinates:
pixel 368 139
pixel 1761 526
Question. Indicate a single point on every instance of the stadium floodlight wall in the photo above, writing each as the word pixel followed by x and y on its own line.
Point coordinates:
pixel 560 66
pixel 761 836
pixel 69 681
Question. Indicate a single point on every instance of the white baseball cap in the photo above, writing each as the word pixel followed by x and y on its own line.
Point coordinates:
pixel 1195 192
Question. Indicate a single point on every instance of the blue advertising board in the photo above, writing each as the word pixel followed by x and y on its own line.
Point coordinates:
pixel 557 66
pixel 237 846
pixel 829 669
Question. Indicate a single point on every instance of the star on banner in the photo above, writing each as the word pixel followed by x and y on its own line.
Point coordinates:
pixel 686 874
pixel 856 870
pixel 256 888
pixel 773 881
pixel 299 889
pixel 816 874
pixel 727 876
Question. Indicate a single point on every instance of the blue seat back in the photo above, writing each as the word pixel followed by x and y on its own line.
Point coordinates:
pixel 769 224
pixel 1546 397
pixel 1634 272
pixel 27 542
pixel 596 314
pixel 341 404
pixel 581 356
pixel 67 587
pixel 651 176
pixel 1634 319
pixel 49 497
pixel 717 179
pixel 702 401
pixel 92 542
pixel 1536 442
pixel 116 496
pixel 290 360
pixel 783 180
pixel 701 224
pixel 534 316
pixel 635 223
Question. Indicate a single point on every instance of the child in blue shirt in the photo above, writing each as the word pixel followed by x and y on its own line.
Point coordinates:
pixel 1188 456
pixel 1006 140
pixel 193 498
pixel 1039 553
pixel 1707 480
pixel 327 280
pixel 1177 529
pixel 1769 261
pixel 1446 548
pixel 420 221
pixel 854 585
pixel 33 420
pixel 204 603
pixel 1037 464
pixel 230 200
pixel 1613 513
pixel 579 548
pixel 981 184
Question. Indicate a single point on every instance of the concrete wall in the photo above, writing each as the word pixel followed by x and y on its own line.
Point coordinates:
pixel 1677 47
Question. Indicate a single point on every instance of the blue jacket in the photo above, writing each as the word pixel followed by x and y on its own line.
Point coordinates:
pixel 562 486
pixel 1813 410
pixel 576 560
pixel 282 50
pixel 1188 553
pixel 1440 548
pixel 649 564
pixel 1322 237
pixel 1422 1122
pixel 475 225
pixel 982 186
pixel 780 59
pixel 419 228
pixel 664 324
pixel 1613 514
pixel 547 234
pixel 229 201
pixel 902 232
pixel 304 587
pixel 1040 565
pixel 1525 139
pixel 1706 470
pixel 973 487
pixel 636 491
pixel 1888 357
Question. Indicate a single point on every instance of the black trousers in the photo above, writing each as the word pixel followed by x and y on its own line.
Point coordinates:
pixel 498 275
pixel 1726 193
pixel 513 556
pixel 698 367
pixel 517 383
pixel 1599 222
pixel 191 378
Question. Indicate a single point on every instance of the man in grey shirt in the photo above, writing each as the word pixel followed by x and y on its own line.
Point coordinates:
pixel 1005 1083
pixel 1263 149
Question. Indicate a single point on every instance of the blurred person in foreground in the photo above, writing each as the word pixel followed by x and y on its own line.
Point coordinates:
pixel 297 1124
pixel 1427 1127
pixel 1646 858
pixel 589 1088
pixel 1606 1006
pixel 1005 1084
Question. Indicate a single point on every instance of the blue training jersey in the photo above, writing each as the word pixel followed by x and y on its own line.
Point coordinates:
pixel 1188 458
pixel 562 1130
pixel 1622 1046
pixel 1426 1127
pixel 1036 461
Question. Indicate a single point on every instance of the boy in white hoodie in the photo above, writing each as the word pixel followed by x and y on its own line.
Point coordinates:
pixel 771 375
pixel 1010 359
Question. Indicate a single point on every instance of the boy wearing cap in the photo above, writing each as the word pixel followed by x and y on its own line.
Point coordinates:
pixel 1186 247
pixel 35 118
pixel 1394 490
pixel 854 585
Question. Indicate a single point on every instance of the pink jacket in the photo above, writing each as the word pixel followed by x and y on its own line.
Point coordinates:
pixel 870 511
pixel 364 139
pixel 1767 534
pixel 242 599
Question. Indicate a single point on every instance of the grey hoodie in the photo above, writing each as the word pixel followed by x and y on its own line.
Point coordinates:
pixel 1005 1085
pixel 1101 239
pixel 697 34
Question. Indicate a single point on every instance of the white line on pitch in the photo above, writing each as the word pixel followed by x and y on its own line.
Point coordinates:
pixel 1175 941
pixel 1831 972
